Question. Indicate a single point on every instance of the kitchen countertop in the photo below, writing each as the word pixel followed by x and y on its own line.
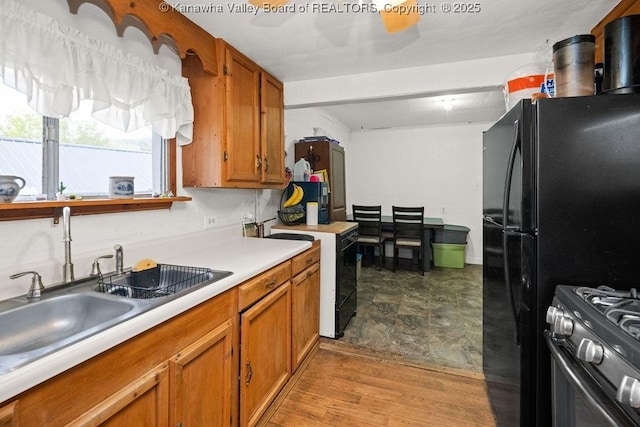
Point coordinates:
pixel 336 227
pixel 244 256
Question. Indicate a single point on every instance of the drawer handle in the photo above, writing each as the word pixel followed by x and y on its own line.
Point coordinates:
pixel 271 282
pixel 309 273
pixel 309 260
pixel 249 374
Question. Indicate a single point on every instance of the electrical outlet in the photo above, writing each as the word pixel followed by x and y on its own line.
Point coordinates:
pixel 209 221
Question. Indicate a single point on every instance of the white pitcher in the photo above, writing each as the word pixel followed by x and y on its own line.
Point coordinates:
pixel 9 188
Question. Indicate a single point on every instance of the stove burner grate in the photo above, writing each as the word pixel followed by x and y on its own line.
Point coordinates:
pixel 622 308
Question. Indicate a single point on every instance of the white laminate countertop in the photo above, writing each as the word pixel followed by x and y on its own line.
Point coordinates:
pixel 244 256
pixel 335 227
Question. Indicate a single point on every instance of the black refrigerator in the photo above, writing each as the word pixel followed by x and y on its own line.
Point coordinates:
pixel 561 205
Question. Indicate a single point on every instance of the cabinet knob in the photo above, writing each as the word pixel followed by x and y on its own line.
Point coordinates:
pixel 266 164
pixel 259 162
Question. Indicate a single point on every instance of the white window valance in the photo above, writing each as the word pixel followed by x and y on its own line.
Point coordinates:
pixel 58 66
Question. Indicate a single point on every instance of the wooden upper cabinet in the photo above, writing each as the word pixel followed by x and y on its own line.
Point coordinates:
pixel 272 129
pixel 243 161
pixel 238 129
pixel 624 8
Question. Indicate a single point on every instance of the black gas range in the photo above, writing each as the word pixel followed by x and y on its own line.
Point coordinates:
pixel 594 339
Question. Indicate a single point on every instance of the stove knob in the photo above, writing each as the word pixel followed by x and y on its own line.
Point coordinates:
pixel 590 351
pixel 553 313
pixel 563 326
pixel 629 392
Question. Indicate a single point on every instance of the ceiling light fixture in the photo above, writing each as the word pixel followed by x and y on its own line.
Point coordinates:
pixel 447 103
pixel 397 15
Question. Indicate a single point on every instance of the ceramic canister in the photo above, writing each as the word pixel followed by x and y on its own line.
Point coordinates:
pixel 121 187
pixel 9 188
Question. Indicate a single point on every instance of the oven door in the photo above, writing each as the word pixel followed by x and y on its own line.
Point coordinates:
pixel 579 399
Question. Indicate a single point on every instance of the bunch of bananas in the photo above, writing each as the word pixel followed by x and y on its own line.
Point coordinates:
pixel 295 198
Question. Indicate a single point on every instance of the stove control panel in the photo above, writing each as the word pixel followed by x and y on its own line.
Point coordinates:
pixel 561 323
pixel 590 351
pixel 629 392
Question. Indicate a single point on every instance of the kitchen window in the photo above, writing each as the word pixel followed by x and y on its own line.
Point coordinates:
pixel 80 104
pixel 78 151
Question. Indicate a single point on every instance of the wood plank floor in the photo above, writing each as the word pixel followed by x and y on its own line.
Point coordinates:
pixel 343 388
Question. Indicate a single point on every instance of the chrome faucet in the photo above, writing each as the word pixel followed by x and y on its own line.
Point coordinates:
pixel 67 269
pixel 119 259
pixel 35 291
pixel 95 267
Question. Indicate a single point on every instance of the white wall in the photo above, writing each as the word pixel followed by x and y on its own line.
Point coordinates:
pixel 439 168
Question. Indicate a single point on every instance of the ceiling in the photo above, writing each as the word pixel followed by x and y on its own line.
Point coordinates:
pixel 340 37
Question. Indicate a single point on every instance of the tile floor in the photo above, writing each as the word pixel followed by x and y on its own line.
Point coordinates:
pixel 433 319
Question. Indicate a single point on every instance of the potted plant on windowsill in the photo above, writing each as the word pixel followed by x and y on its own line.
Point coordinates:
pixel 60 194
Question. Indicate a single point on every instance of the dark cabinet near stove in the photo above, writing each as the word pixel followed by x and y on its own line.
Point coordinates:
pixel 330 157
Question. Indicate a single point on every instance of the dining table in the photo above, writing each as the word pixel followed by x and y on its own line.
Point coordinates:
pixel 430 225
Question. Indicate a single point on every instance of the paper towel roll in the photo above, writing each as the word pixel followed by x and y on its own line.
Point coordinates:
pixel 312 213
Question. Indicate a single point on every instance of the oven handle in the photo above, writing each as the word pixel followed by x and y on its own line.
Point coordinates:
pixel 594 396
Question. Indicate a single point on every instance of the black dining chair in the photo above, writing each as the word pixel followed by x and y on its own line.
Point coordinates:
pixel 408 232
pixel 370 233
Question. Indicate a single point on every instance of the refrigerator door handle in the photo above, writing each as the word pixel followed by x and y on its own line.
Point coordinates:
pixel 509 176
pixel 506 230
pixel 490 220
pixel 507 281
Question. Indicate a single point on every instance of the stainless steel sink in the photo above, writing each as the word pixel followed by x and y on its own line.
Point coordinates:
pixel 74 311
pixel 52 321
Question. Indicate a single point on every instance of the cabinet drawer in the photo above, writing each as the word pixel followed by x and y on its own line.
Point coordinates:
pixel 305 259
pixel 254 289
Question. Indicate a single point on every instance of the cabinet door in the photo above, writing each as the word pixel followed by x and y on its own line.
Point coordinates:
pixel 272 130
pixel 265 353
pixel 9 415
pixel 305 313
pixel 141 403
pixel 338 199
pixel 201 381
pixel 242 154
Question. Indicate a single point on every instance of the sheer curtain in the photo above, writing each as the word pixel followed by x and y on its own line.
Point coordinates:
pixel 57 66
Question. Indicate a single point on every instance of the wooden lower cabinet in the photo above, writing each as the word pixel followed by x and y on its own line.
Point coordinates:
pixel 208 366
pixel 201 384
pixel 141 403
pixel 9 415
pixel 183 370
pixel 305 313
pixel 265 353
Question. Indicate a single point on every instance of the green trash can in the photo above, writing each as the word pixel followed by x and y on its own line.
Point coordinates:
pixel 448 255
